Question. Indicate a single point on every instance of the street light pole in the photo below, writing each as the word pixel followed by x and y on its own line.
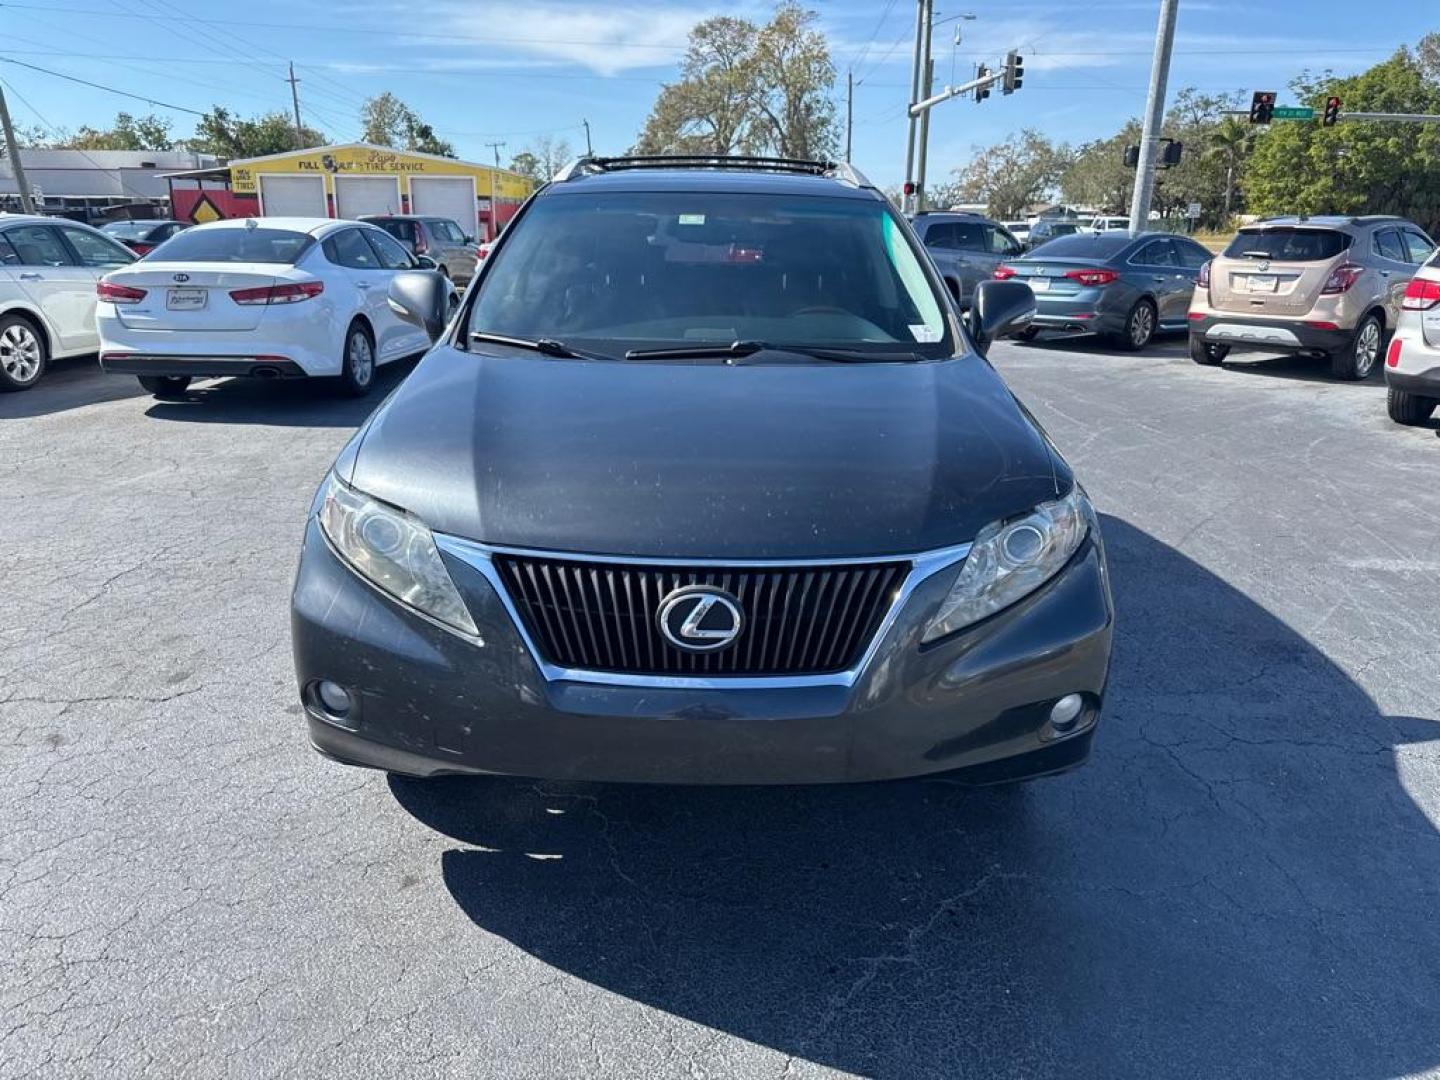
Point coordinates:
pixel 495 191
pixel 1154 116
pixel 922 19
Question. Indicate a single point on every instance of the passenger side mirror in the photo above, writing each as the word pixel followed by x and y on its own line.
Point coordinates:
pixel 999 309
pixel 467 238
pixel 422 298
pixel 425 262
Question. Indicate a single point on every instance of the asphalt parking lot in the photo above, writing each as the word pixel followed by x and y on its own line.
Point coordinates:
pixel 1244 881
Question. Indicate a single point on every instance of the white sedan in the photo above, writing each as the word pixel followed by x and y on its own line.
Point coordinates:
pixel 267 297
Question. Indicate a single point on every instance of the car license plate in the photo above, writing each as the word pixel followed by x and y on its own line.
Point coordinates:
pixel 1038 284
pixel 1263 282
pixel 185 299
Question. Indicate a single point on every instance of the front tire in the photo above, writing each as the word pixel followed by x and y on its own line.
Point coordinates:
pixel 165 387
pixel 24 355
pixel 357 364
pixel 1409 409
pixel 1030 333
pixel 1139 327
pixel 1203 352
pixel 1358 359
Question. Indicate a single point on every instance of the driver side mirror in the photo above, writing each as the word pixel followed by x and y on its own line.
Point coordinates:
pixel 999 309
pixel 423 298
pixel 425 262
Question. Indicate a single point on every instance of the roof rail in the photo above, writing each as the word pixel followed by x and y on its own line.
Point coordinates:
pixel 839 170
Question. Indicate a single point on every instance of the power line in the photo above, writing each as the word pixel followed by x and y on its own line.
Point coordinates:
pixel 100 86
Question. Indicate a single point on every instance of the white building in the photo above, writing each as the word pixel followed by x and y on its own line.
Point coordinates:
pixel 88 183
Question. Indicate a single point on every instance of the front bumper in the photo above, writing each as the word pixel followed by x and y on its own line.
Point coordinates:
pixel 431 702
pixel 1271 335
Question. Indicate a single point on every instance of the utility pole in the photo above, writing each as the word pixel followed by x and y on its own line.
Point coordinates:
pixel 1154 116
pixel 849 109
pixel 922 20
pixel 921 203
pixel 295 100
pixel 589 151
pixel 26 202
pixel 495 190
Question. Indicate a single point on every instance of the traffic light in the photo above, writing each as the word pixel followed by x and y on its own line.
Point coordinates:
pixel 1132 156
pixel 1170 155
pixel 1262 105
pixel 1014 71
pixel 981 92
pixel 1332 112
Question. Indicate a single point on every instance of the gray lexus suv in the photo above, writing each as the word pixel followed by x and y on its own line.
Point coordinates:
pixel 707 482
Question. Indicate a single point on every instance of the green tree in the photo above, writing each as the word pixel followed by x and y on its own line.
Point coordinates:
pixel 1357 166
pixel 1009 176
pixel 1230 142
pixel 388 121
pixel 129 133
pixel 748 89
pixel 1097 174
pixel 226 136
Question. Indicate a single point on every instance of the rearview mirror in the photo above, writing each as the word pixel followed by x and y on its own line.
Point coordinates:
pixel 422 298
pixel 998 309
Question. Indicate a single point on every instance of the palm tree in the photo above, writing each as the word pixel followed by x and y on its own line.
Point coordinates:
pixel 1231 140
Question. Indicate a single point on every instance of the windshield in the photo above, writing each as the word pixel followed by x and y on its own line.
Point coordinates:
pixel 610 272
pixel 1288 244
pixel 236 245
pixel 1082 246
pixel 128 230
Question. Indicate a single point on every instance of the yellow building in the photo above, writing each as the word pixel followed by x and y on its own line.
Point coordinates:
pixel 349 181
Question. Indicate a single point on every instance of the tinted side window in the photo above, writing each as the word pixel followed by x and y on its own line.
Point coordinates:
pixel 938 235
pixel 96 250
pixel 392 255
pixel 348 248
pixel 39 245
pixel 8 257
pixel 1388 245
pixel 998 241
pixel 1155 253
pixel 450 231
pixel 1192 255
pixel 1419 245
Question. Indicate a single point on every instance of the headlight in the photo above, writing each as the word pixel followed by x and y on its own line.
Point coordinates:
pixel 1011 559
pixel 394 550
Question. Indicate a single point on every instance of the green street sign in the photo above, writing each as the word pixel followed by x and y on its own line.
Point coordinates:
pixel 1293 112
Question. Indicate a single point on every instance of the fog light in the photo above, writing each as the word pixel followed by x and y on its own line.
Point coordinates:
pixel 336 698
pixel 1063 713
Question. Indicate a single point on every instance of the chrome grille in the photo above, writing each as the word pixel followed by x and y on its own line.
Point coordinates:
pixel 602 616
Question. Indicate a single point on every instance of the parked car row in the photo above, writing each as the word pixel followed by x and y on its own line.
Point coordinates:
pixel 268 298
pixel 1345 290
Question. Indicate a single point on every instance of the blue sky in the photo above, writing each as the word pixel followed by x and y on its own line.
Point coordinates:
pixel 483 71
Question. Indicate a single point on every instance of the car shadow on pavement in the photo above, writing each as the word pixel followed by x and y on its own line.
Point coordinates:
pixel 1163 344
pixel 1238 883
pixel 1297 368
pixel 279 402
pixel 71 383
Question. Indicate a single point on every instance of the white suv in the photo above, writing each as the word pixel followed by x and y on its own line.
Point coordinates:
pixel 48 271
pixel 1412 363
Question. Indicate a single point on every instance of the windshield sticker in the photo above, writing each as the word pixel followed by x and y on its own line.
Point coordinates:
pixel 925 333
pixel 692 219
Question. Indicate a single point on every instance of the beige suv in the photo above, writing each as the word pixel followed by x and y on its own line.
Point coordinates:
pixel 1328 287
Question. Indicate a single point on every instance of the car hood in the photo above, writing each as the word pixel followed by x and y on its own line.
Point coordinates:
pixel 705 460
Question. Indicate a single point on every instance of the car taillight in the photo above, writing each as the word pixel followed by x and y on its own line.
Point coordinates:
pixel 142 248
pixel 291 293
pixel 481 250
pixel 1003 272
pixel 119 294
pixel 1092 277
pixel 1421 295
pixel 1342 277
pixel 1202 279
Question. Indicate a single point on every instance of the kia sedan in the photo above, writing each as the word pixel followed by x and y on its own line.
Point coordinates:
pixel 708 483
pixel 1125 288
pixel 268 298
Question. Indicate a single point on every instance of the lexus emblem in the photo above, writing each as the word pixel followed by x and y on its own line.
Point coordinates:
pixel 700 618
pixel 179 277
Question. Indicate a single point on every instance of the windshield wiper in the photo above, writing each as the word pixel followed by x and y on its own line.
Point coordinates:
pixel 740 349
pixel 548 346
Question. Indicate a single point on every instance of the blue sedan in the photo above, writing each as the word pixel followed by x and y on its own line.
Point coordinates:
pixel 1125 287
